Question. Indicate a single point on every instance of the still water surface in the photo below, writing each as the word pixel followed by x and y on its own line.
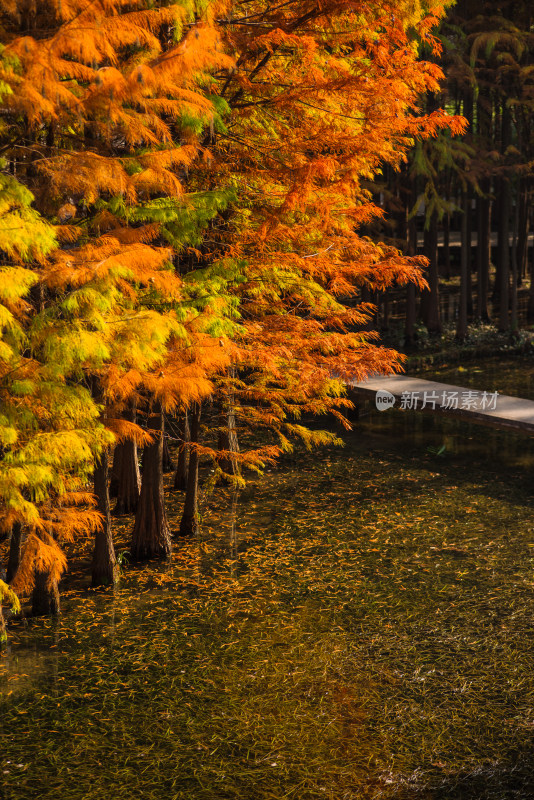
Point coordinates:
pixel 359 623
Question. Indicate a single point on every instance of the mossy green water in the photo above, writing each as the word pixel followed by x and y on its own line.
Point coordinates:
pixel 363 628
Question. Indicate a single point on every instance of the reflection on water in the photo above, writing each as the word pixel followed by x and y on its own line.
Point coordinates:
pixel 498 448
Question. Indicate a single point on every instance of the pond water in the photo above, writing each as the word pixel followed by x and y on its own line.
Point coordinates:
pixel 359 623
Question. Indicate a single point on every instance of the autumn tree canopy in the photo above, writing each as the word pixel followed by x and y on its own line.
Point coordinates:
pixel 186 184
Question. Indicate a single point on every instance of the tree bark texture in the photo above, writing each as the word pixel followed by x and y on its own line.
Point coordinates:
pixel 45 595
pixel 128 475
pixel 151 536
pixel 189 524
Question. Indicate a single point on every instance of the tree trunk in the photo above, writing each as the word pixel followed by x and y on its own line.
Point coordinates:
pixel 113 485
pixel 189 523
pixel 504 255
pixel 514 323
pixel 483 252
pixel 385 310
pixel 503 259
pixel 45 595
pixel 104 565
pixel 411 249
pixel 468 242
pixel 461 327
pixel 180 476
pixel 15 551
pixel 168 465
pixel 228 443
pixel 410 318
pixel 485 143
pixel 446 262
pixel 126 471
pixel 522 232
pixel 151 536
pixel 431 296
pixel 126 466
pixel 530 307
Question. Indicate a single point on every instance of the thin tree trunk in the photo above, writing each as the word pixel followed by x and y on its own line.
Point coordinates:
pixel 385 312
pixel 228 443
pixel 468 241
pixel 180 476
pixel 45 595
pixel 104 565
pixel 168 465
pixel 514 321
pixel 446 264
pixel 503 261
pixel 483 253
pixel 514 324
pixel 468 107
pixel 504 256
pixel 431 306
pixel 151 536
pixel 410 318
pixel 461 327
pixel 411 247
pixel 485 143
pixel 522 232
pixel 189 524
pixel 15 551
pixel 530 307
pixel 367 297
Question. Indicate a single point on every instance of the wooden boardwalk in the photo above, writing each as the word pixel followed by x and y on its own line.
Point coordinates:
pixel 485 408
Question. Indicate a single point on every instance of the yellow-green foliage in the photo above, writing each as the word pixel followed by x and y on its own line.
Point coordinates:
pixel 49 427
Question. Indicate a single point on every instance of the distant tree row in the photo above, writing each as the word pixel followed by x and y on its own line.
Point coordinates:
pixel 181 191
pixel 461 190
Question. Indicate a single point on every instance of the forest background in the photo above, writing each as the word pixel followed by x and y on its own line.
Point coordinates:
pixel 202 208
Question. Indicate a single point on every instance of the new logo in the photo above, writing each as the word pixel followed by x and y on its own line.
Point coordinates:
pixel 384 400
